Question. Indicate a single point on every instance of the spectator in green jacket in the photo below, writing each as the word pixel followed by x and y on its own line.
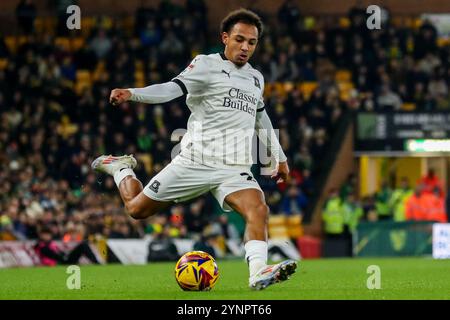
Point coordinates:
pixel 398 200
pixel 353 212
pixel 333 215
pixel 382 202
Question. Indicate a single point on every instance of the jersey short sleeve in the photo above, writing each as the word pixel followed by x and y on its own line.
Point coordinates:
pixel 194 78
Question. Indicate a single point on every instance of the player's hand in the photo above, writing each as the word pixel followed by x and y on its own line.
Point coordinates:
pixel 281 172
pixel 119 96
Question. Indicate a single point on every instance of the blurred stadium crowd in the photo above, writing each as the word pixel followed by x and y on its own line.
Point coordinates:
pixel 55 116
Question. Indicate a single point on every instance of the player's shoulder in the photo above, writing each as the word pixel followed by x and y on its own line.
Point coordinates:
pixel 256 73
pixel 214 57
pixel 201 58
pixel 207 57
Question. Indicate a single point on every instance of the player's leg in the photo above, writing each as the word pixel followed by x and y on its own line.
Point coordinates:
pixel 250 203
pixel 138 205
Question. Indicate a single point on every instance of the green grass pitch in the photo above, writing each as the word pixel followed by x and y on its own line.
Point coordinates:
pixel 401 278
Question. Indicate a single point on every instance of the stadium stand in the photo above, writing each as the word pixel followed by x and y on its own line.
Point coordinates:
pixel 55 117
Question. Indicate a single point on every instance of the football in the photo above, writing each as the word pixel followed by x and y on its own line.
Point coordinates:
pixel 196 271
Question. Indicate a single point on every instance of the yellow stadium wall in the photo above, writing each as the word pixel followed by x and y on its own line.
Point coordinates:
pixel 373 170
pixel 410 168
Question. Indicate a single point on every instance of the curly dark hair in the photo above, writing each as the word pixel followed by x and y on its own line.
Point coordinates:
pixel 244 16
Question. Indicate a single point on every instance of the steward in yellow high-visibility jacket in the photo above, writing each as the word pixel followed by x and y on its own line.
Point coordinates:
pixel 333 215
pixel 353 212
pixel 397 202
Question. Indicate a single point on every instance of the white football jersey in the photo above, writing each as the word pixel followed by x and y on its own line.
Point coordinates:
pixel 224 100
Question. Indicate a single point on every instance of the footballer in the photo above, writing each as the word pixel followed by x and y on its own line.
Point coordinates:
pixel 225 96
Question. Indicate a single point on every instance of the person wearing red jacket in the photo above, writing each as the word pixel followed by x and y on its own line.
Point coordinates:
pixel 434 206
pixel 430 182
pixel 414 210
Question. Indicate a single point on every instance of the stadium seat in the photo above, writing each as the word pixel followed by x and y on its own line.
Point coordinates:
pixel 409 106
pixel 268 88
pixel 279 89
pixel 63 43
pixel 49 25
pixel 76 43
pixel 139 84
pixel 417 23
pixel 277 227
pixel 83 75
pixel 288 86
pixel 11 43
pixel 66 128
pixel 139 78
pixel 39 25
pixel 283 88
pixel 3 63
pixel 147 160
pixel 307 88
pixel 408 22
pixel 81 86
pixel 139 65
pixel 343 76
pixel 138 75
pixel 99 70
pixel 344 22
pixel 344 89
pixel 220 245
pixel 83 80
pixel 294 225
pixel 21 41
pixel 442 42
pixel 87 23
pixel 7 236
pixel 194 53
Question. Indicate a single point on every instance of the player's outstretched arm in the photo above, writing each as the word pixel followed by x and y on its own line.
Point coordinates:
pixel 266 134
pixel 157 93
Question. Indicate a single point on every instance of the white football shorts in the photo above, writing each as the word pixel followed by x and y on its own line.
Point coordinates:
pixel 179 182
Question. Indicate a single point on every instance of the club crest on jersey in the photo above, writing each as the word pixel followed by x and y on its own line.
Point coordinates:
pixel 155 186
pixel 257 82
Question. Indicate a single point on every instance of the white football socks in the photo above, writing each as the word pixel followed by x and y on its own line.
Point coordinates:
pixel 256 255
pixel 120 174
